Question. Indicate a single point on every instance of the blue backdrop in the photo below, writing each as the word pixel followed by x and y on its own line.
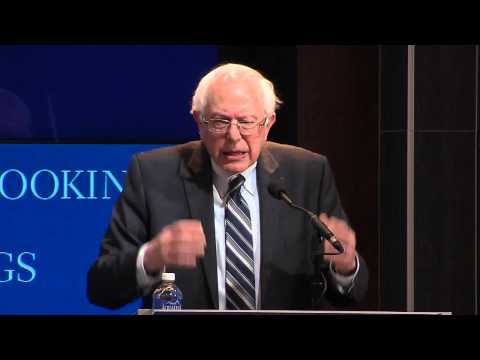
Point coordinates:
pixel 56 198
pixel 56 201
pixel 100 93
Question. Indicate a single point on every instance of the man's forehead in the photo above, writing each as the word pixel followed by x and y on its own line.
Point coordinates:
pixel 237 93
pixel 240 110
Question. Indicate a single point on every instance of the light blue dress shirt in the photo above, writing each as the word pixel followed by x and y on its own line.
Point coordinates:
pixel 250 195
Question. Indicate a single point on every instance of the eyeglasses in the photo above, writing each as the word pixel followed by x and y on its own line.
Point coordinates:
pixel 218 125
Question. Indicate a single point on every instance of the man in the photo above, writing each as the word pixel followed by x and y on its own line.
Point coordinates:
pixel 230 248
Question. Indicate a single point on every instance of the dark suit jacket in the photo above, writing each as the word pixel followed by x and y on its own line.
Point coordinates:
pixel 169 184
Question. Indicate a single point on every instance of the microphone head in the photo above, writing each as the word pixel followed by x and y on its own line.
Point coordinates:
pixel 275 189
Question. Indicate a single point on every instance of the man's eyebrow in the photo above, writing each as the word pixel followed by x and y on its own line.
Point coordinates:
pixel 223 115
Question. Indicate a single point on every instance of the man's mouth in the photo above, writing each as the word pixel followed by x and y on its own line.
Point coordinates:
pixel 234 154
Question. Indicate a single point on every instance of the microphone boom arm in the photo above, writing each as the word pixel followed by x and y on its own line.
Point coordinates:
pixel 322 229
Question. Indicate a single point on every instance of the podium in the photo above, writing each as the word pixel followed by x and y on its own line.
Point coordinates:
pixel 279 313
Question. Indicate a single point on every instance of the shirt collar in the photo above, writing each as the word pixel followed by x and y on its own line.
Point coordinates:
pixel 221 178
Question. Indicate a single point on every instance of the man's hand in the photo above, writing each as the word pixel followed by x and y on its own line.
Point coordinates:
pixel 178 244
pixel 344 264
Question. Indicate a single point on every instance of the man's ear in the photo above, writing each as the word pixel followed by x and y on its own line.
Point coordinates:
pixel 196 116
pixel 269 123
pixel 271 120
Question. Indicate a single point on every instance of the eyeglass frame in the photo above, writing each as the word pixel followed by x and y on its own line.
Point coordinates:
pixel 261 123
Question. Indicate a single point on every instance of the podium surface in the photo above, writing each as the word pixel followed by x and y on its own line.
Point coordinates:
pixel 279 312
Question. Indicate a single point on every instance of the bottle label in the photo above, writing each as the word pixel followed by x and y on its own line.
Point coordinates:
pixel 171 307
pixel 167 297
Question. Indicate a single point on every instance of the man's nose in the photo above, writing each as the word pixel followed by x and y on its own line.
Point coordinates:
pixel 233 132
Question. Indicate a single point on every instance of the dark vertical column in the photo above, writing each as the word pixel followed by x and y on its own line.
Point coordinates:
pixel 338 108
pixel 477 152
pixel 445 173
pixel 393 140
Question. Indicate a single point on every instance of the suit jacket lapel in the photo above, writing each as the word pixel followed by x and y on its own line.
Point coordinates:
pixel 197 179
pixel 269 219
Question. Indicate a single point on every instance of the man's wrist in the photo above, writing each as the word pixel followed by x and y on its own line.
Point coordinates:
pixel 349 272
pixel 144 279
pixel 345 283
pixel 146 264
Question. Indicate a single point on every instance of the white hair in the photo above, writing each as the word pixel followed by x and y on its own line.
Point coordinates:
pixel 230 72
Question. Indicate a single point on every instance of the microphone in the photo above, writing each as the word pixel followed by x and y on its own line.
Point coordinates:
pixel 277 191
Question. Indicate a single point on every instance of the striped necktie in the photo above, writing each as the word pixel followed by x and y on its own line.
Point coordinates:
pixel 239 264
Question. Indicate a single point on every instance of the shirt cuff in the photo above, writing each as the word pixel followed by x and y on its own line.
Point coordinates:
pixel 144 280
pixel 345 283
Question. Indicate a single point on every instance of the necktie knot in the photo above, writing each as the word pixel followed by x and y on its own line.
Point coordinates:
pixel 234 185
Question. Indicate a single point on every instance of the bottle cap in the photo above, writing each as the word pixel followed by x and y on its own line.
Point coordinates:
pixel 168 276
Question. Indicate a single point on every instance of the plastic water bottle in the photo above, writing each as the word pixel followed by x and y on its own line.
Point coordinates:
pixel 167 296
